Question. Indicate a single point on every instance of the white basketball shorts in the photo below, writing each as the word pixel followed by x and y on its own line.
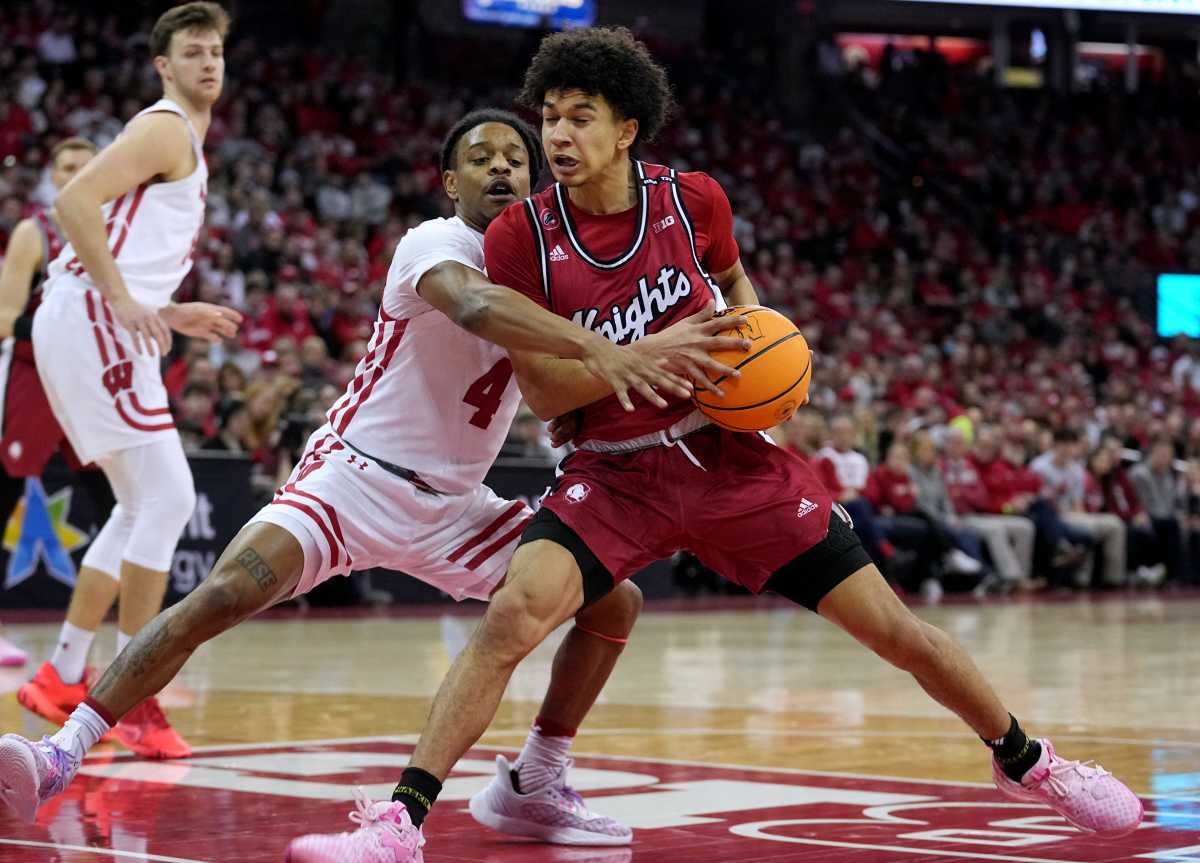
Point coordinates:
pixel 105 395
pixel 353 514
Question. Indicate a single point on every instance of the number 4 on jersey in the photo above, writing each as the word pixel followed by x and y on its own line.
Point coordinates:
pixel 485 394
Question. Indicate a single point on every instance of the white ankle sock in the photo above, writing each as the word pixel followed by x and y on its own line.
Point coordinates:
pixel 541 760
pixel 81 732
pixel 71 653
pixel 123 640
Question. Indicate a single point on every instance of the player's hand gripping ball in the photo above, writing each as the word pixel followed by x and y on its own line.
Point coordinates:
pixel 775 373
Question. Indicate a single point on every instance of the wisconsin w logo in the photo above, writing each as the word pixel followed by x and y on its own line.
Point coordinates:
pixel 118 377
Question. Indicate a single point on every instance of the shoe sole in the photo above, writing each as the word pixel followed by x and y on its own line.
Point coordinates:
pixel 18 780
pixel 289 858
pixel 151 753
pixel 554 835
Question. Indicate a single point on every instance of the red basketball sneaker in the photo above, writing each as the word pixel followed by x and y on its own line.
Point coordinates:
pixel 147 732
pixel 50 698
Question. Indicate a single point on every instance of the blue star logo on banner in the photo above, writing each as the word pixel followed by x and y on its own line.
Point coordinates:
pixel 39 531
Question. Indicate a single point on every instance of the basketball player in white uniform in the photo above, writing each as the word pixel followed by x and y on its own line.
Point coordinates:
pixel 131 217
pixel 395 479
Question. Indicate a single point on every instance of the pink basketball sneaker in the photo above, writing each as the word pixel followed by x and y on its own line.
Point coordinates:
pixel 385 834
pixel 1085 794
pixel 31 773
pixel 555 813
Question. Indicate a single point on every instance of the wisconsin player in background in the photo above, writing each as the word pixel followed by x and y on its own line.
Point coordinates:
pixel 395 479
pixel 29 433
pixel 131 216
pixel 626 248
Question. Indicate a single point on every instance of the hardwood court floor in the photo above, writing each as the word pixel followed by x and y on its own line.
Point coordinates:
pixel 752 732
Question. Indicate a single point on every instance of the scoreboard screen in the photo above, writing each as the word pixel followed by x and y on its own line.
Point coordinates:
pixel 1178 305
pixel 555 14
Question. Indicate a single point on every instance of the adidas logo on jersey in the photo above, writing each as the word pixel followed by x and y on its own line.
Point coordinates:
pixel 806 506
pixel 557 253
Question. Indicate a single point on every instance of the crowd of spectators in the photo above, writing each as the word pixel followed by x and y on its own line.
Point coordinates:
pixel 975 287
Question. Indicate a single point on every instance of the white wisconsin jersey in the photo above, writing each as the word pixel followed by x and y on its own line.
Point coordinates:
pixel 429 396
pixel 152 229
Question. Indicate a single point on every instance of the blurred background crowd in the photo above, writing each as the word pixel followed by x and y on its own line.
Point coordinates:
pixel 973 264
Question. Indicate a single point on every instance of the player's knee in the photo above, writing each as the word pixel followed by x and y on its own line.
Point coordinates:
pixel 616 613
pixel 173 511
pixel 517 620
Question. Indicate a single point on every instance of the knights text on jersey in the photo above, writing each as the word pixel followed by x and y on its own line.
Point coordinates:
pixel 622 275
pixel 428 395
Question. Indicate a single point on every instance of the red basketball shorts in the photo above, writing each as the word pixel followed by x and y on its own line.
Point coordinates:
pixel 742 505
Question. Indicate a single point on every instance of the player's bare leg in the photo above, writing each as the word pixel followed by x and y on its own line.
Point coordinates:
pixel 93 596
pixel 866 607
pixel 60 684
pixel 1023 769
pixel 544 589
pixel 141 597
pixel 262 565
pixel 582 665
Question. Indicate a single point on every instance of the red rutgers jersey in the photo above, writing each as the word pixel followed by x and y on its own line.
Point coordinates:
pixel 52 244
pixel 623 275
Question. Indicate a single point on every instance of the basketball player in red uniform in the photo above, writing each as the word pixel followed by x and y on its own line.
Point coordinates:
pixel 29 433
pixel 626 248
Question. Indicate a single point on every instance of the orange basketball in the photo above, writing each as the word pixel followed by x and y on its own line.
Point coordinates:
pixel 775 373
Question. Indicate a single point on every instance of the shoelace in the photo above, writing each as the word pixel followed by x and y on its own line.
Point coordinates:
pixel 60 772
pixel 368 814
pixel 1086 770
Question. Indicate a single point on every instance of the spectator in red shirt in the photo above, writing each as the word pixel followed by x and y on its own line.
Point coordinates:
pixel 1012 490
pixel 1009 538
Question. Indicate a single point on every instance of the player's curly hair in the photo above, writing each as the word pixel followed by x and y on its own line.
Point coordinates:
pixel 493 115
pixel 605 61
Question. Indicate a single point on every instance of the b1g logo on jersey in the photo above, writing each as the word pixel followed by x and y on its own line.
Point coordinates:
pixel 651 301
pixel 118 377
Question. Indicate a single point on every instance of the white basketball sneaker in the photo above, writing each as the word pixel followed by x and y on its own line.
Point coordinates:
pixel 31 772
pixel 554 813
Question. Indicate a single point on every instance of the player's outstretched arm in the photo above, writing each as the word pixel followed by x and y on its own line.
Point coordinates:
pixel 513 321
pixel 22 260
pixel 553 386
pixel 151 147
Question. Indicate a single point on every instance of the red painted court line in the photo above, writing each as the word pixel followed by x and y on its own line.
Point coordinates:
pixel 685 813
